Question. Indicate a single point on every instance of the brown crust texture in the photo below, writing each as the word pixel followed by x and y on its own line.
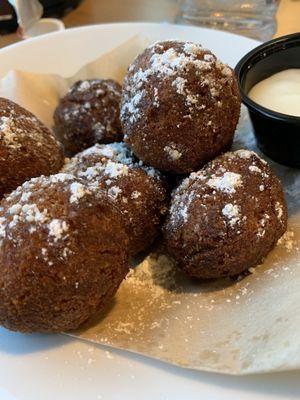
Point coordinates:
pixel 139 192
pixel 226 218
pixel 27 148
pixel 88 114
pixel 180 106
pixel 63 254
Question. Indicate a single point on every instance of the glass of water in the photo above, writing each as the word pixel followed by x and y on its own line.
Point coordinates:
pixel 255 19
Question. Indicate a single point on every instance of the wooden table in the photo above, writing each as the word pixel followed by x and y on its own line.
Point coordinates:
pixel 288 17
pixel 101 11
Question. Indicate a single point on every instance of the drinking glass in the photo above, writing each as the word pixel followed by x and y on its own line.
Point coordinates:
pixel 255 19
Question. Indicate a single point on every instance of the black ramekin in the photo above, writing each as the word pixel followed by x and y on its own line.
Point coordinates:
pixel 277 135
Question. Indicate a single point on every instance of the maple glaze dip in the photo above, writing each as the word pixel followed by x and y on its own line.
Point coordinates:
pixel 269 83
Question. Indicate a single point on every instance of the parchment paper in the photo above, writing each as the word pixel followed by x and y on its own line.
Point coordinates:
pixel 244 326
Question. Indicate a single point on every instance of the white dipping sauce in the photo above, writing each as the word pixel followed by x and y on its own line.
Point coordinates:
pixel 280 92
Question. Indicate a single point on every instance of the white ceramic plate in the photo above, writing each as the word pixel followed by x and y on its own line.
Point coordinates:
pixel 34 367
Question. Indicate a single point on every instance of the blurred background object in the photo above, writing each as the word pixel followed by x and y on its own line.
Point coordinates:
pixel 29 14
pixel 102 11
pixel 51 8
pixel 252 18
pixel 85 12
pixel 58 8
pixel 8 17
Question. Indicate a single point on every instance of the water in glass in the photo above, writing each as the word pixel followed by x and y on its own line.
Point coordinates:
pixel 254 18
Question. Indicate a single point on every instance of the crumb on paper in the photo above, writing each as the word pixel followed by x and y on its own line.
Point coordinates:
pixel 287 240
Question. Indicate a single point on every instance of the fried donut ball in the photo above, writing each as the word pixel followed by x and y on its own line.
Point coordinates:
pixel 63 254
pixel 139 192
pixel 227 217
pixel 89 114
pixel 180 106
pixel 27 148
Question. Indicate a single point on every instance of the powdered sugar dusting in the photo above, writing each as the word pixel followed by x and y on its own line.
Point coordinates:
pixel 100 153
pixel 135 194
pixel 172 152
pixel 279 210
pixel 110 169
pixel 29 211
pixel 8 132
pixel 78 190
pixel 57 229
pixel 193 48
pixel 113 169
pixel 114 192
pixel 156 273
pixel 132 106
pixel 232 213
pixel 18 127
pixel 262 223
pixel 113 159
pixel 227 183
pixel 170 61
pixel 83 86
pixel 254 168
pixel 181 88
pixel 246 154
pixel 179 210
pixel 180 83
